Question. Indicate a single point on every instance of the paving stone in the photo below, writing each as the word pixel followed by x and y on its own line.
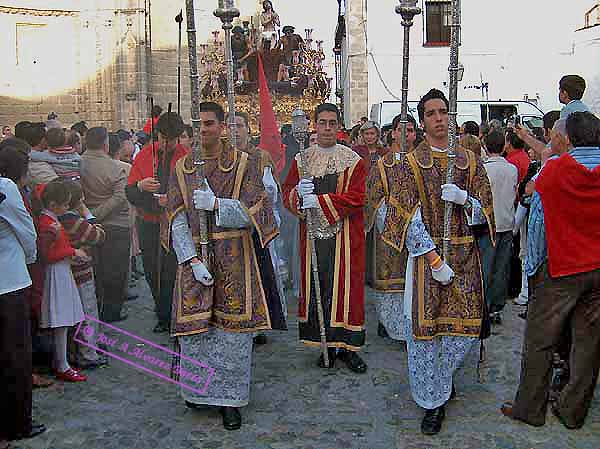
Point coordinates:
pixel 296 405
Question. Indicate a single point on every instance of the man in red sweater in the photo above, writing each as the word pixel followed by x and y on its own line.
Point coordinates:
pixel 146 191
pixel 566 290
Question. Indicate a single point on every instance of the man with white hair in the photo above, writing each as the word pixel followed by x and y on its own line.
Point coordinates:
pixel 372 149
pixel 566 281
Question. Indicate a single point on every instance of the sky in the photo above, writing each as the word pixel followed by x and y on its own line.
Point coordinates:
pixel 518 46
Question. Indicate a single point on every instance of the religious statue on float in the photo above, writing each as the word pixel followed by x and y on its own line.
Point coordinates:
pixel 270 23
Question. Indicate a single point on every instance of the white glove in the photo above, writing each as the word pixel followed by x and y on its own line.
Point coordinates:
pixel 201 274
pixel 204 199
pixel 270 184
pixel 305 187
pixel 443 274
pixel 310 201
pixel 453 194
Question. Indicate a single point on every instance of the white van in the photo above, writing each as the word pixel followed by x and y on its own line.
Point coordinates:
pixel 477 111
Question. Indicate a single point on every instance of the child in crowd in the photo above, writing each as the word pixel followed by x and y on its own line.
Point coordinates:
pixel 61 304
pixel 63 158
pixel 79 224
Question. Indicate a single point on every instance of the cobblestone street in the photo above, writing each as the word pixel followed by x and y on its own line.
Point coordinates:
pixel 294 404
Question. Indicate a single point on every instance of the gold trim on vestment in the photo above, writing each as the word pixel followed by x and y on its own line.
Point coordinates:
pixel 424 149
pixel 487 212
pixel 370 220
pixel 180 170
pixel 394 160
pixel 336 278
pixel 211 323
pixel 263 297
pixel 464 240
pixel 459 323
pixel 404 230
pixel 183 160
pixel 396 204
pixel 472 161
pixel 308 280
pixel 256 207
pixel 224 148
pixel 414 165
pixel 384 178
pixel 239 176
pixel 350 173
pixel 347 264
pixel 330 207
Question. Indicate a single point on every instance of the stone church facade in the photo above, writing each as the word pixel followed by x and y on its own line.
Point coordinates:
pixel 101 61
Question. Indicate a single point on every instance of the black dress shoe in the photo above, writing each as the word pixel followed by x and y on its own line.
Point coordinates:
pixel 432 421
pixel 232 419
pixel 193 406
pixel 36 429
pixel 382 332
pixel 353 361
pixel 260 339
pixel 331 352
pixel 161 328
pixel 562 420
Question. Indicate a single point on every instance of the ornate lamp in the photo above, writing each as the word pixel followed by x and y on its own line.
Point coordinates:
pixel 227 12
pixel 408 9
pixel 299 125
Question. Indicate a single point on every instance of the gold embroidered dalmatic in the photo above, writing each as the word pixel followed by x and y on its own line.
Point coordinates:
pixel 236 302
pixel 389 264
pixel 455 309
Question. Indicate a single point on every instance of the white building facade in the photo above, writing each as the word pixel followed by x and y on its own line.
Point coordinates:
pixel 520 49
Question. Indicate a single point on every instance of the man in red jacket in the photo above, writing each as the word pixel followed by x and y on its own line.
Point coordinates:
pixel 146 190
pixel 566 289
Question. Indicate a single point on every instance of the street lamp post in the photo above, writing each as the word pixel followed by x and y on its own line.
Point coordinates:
pixel 408 9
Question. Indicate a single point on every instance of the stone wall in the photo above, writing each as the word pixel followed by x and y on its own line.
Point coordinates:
pixel 83 64
pixel 90 60
pixel 356 74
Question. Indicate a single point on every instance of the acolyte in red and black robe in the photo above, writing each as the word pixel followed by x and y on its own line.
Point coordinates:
pixel 339 176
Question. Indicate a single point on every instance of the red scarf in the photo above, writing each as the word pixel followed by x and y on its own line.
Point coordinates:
pixel 571 199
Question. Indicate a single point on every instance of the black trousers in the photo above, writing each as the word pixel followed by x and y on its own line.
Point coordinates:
pixel 15 365
pixel 112 269
pixel 160 268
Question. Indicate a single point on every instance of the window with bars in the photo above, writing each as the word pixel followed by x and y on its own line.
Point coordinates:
pixel 438 17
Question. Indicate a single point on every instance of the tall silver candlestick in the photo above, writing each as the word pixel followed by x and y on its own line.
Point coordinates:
pixel 227 12
pixel 408 9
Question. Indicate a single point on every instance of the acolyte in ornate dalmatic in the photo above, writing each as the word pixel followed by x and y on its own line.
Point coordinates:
pixel 214 325
pixel 236 302
pixel 388 265
pixel 339 179
pixel 441 322
pixel 371 156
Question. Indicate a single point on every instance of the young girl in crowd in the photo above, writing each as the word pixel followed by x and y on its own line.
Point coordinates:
pixel 61 304
pixel 78 223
